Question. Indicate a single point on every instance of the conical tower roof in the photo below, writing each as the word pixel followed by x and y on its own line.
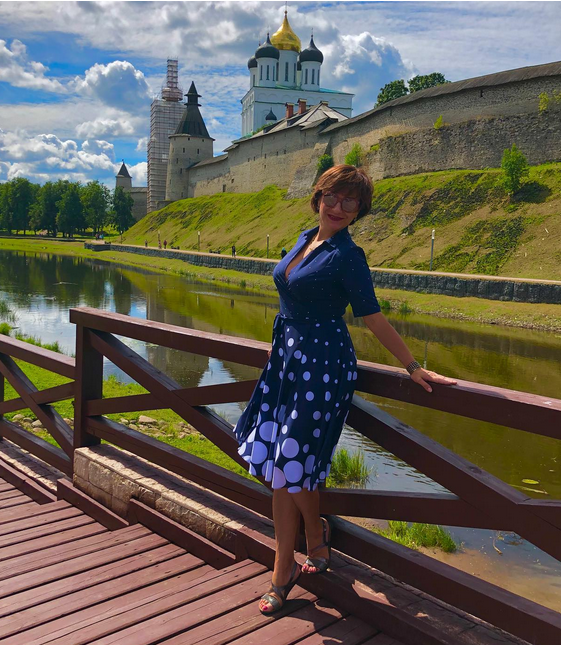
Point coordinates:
pixel 285 38
pixel 192 122
pixel 123 172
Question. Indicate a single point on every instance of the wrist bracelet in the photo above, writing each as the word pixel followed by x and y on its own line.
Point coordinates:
pixel 413 365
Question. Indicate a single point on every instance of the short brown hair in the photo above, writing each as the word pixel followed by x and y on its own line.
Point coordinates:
pixel 345 179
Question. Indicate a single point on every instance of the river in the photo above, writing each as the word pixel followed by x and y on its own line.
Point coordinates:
pixel 41 287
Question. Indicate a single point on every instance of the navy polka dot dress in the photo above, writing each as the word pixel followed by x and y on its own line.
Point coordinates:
pixel 290 428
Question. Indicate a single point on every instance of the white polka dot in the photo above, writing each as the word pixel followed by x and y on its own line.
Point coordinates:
pixel 314 360
pixel 336 381
pixel 262 385
pixel 327 342
pixel 251 437
pixel 268 366
pixel 284 429
pixel 315 340
pixel 306 483
pixel 306 376
pixel 265 389
pixel 301 337
pixel 310 396
pixel 306 447
pixel 346 397
pixel 293 471
pixel 294 489
pixel 267 429
pixel 294 414
pixel 304 358
pixel 252 470
pixel 295 396
pixel 290 376
pixel 290 447
pixel 297 354
pixel 327 396
pixel 280 351
pixel 277 452
pixel 265 407
pixel 322 474
pixel 338 330
pixel 341 346
pixel 327 362
pixel 317 415
pixel 279 480
pixel 326 378
pixel 280 374
pixel 317 432
pixel 337 405
pixel 349 376
pixel 258 453
pixel 327 416
pixel 241 449
pixel 355 376
pixel 290 342
pixel 309 466
pixel 317 324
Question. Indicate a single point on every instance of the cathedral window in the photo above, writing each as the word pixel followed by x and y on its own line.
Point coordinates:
pixel 253 79
pixel 286 71
pixel 306 77
pixel 267 72
pixel 294 73
pixel 318 76
pixel 313 76
pixel 260 72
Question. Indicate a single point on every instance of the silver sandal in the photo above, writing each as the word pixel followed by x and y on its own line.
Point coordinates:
pixel 321 564
pixel 276 596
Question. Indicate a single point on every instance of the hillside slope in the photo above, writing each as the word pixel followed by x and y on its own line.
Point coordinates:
pixel 478 229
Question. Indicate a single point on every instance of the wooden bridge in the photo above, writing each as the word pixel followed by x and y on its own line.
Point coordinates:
pixel 75 572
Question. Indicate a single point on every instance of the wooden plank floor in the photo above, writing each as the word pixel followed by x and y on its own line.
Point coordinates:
pixel 66 579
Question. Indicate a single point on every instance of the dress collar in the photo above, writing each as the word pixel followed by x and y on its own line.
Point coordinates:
pixel 334 240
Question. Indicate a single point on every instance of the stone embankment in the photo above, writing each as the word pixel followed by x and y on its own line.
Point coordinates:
pixel 446 284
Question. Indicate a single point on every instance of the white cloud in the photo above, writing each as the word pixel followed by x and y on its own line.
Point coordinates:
pixel 17 70
pixel 118 84
pixel 139 173
pixel 141 145
pixel 104 127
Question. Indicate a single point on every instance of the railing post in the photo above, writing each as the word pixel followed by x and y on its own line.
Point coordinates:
pixel 89 385
pixel 2 383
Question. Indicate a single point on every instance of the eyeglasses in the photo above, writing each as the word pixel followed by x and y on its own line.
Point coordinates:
pixel 348 204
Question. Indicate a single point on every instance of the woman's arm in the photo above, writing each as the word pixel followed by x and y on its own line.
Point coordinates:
pixel 392 341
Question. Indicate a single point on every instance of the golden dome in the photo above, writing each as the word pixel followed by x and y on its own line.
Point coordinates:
pixel 285 38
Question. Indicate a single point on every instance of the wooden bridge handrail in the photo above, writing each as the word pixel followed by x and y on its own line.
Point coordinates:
pixel 46 358
pixel 520 410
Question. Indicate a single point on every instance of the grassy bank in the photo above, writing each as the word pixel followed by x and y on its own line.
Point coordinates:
pixel 525 315
pixel 479 229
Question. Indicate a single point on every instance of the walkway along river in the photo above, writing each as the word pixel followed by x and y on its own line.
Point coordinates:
pixel 41 288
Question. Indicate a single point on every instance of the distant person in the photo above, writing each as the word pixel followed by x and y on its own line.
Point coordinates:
pixel 165 244
pixel 145 243
pixel 283 252
pixel 233 250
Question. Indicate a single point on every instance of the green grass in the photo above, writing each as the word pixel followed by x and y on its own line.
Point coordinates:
pixel 348 470
pixel 415 536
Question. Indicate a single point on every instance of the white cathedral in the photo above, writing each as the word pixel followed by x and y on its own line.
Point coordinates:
pixel 282 72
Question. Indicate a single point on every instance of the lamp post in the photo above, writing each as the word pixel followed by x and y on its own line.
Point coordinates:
pixel 198 240
pixel 431 249
pixel 267 245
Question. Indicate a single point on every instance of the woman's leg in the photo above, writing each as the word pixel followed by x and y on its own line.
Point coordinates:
pixel 286 518
pixel 308 504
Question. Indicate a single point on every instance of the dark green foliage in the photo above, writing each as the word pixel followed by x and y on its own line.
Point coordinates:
pixel 439 123
pixel 121 214
pixel 45 209
pixel 70 216
pixel 515 169
pixel 391 91
pixel 16 200
pixel 325 162
pixel 429 80
pixel 95 199
pixel 355 156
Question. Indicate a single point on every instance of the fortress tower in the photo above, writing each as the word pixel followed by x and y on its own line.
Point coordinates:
pixel 282 72
pixel 165 114
pixel 189 144
pixel 123 179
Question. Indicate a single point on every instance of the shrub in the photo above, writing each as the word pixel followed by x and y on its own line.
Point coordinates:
pixel 415 536
pixel 515 168
pixel 348 469
pixel 375 147
pixel 325 162
pixel 404 308
pixel 543 104
pixel 5 329
pixel 439 123
pixel 355 156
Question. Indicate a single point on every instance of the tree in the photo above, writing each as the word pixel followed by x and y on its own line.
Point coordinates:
pixel 392 91
pixel 325 162
pixel 122 210
pixel 70 210
pixel 5 208
pixel 429 80
pixel 95 200
pixel 22 196
pixel 515 168
pixel 355 156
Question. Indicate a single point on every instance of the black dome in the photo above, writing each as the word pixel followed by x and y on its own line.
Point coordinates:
pixel 271 116
pixel 311 54
pixel 252 62
pixel 267 50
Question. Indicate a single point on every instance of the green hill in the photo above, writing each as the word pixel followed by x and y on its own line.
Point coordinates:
pixel 478 228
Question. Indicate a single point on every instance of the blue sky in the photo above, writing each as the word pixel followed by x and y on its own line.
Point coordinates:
pixel 77 79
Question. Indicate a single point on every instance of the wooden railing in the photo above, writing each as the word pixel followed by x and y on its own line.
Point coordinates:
pixel 475 498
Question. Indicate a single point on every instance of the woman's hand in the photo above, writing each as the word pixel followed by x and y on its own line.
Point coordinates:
pixel 422 377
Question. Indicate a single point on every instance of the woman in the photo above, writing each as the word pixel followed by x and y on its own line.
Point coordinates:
pixel 290 428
